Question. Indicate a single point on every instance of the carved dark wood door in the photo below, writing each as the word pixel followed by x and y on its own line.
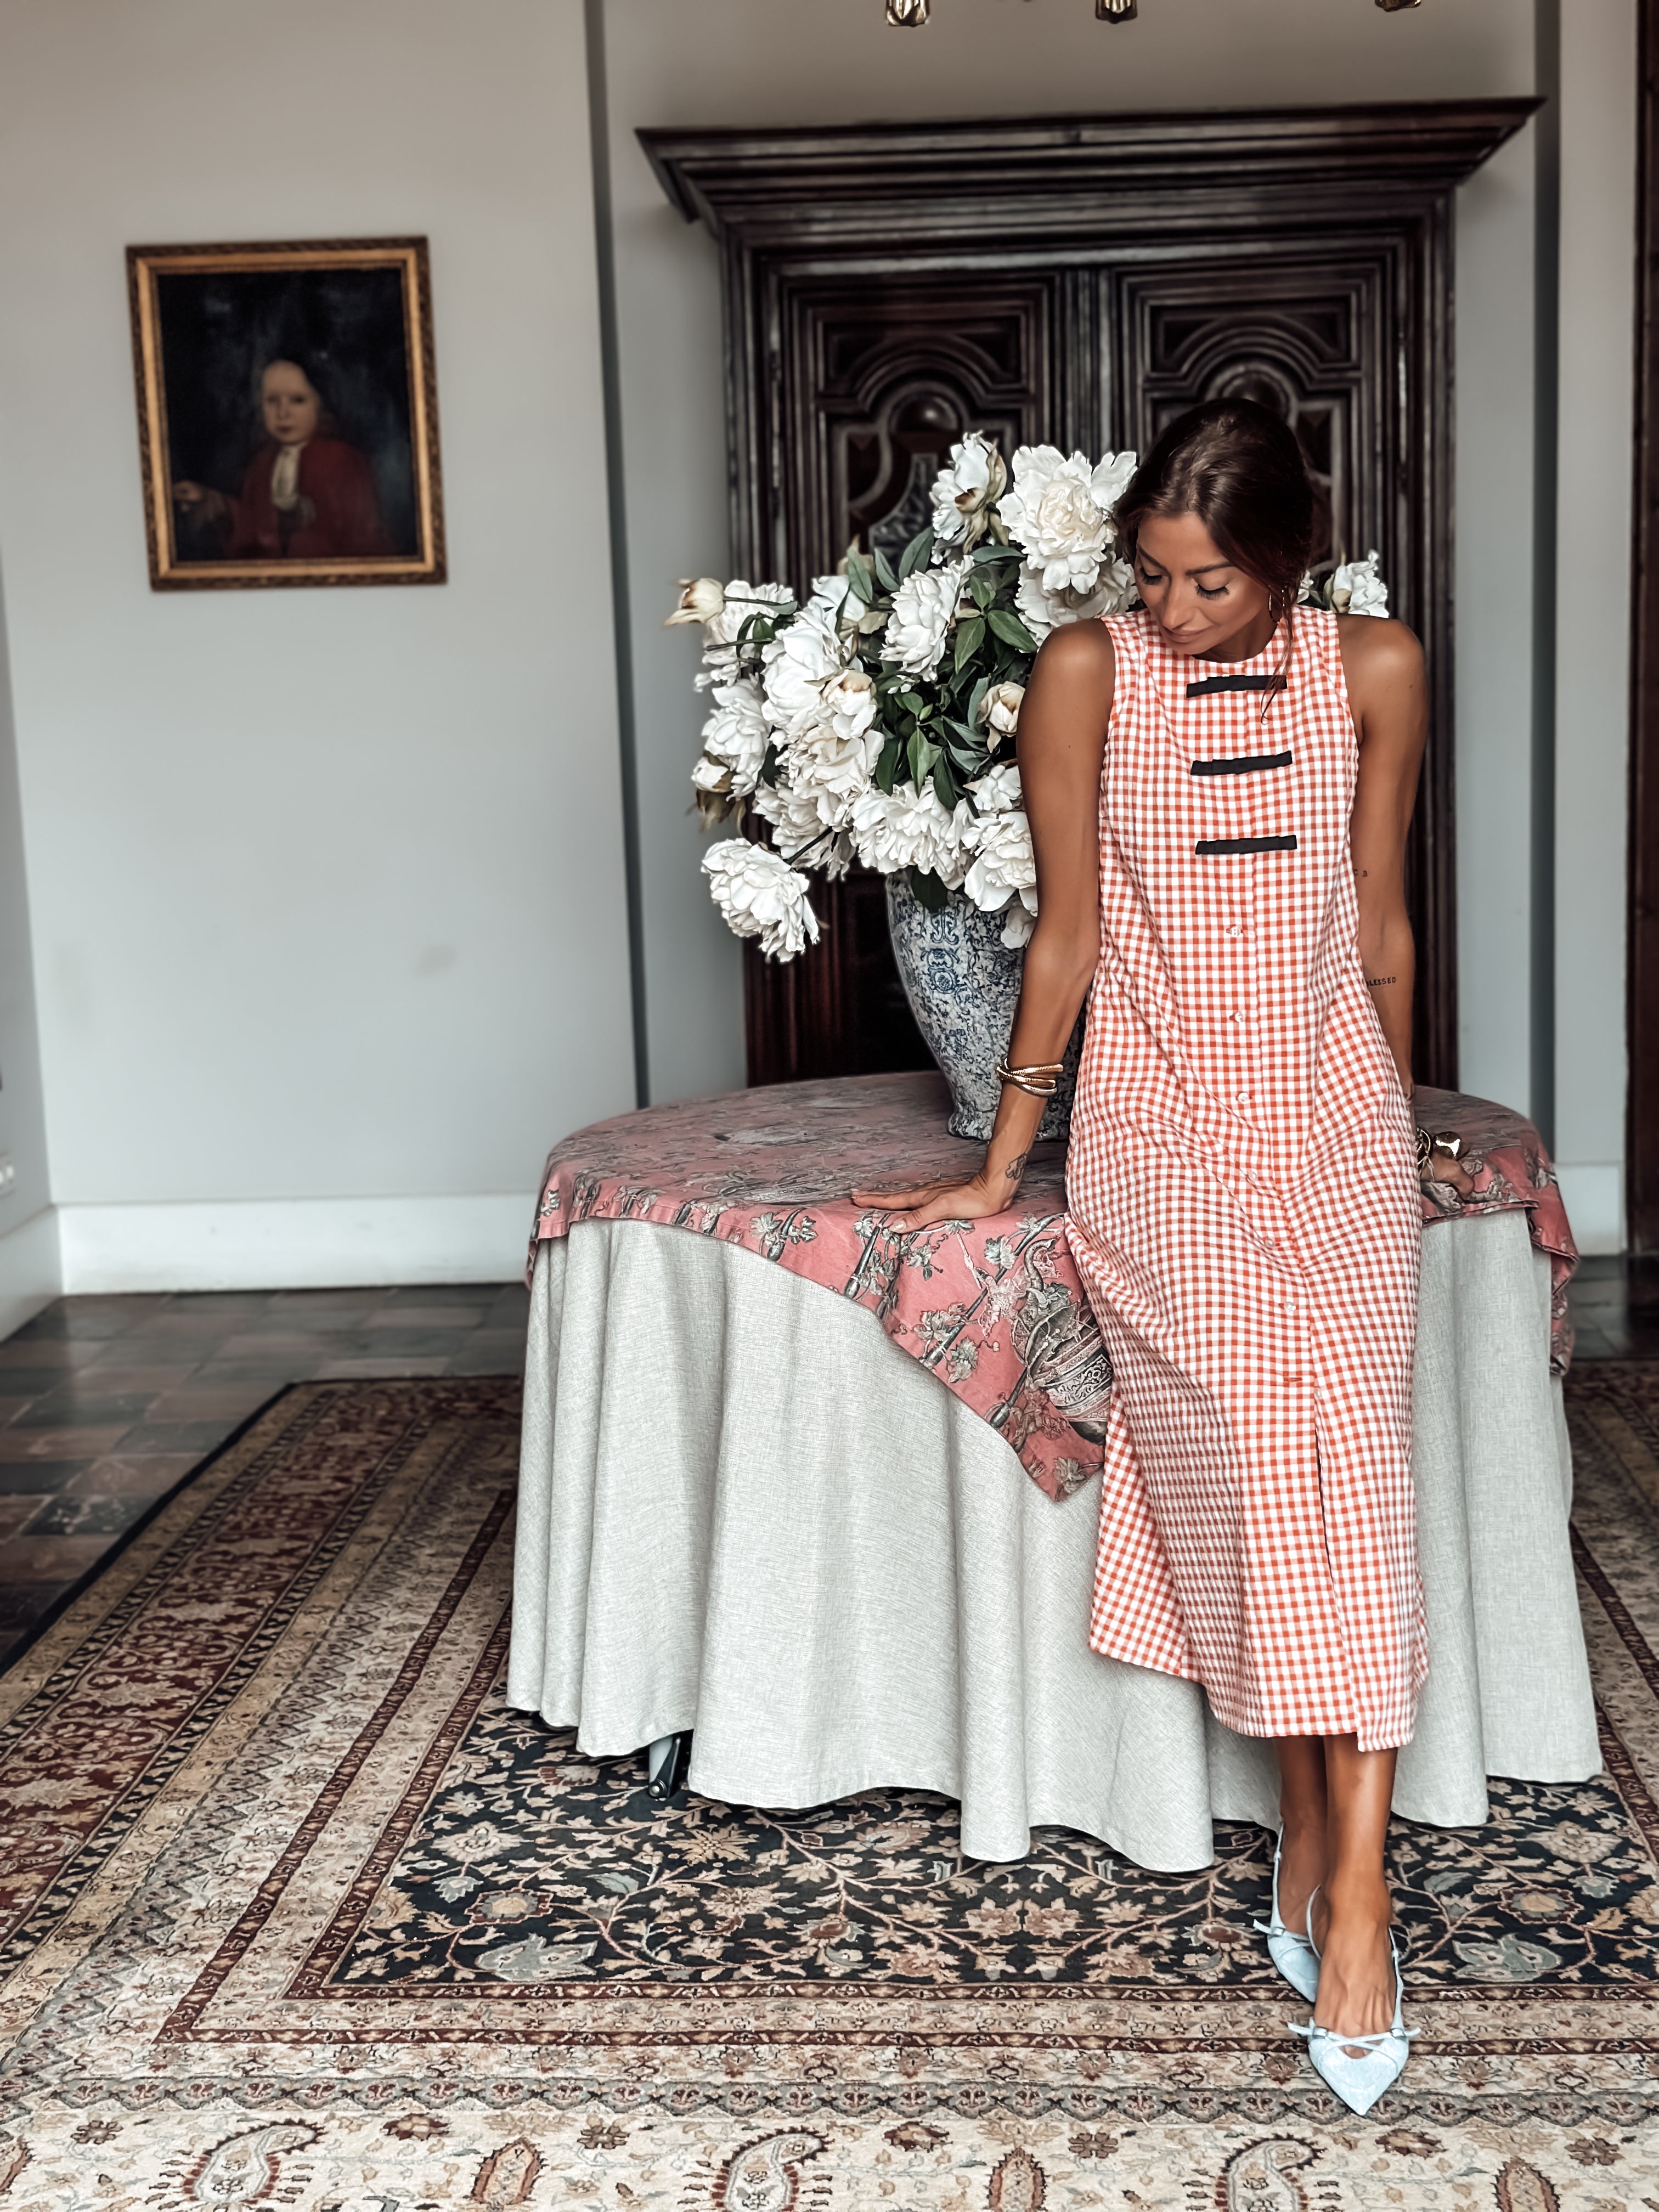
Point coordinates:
pixel 1081 282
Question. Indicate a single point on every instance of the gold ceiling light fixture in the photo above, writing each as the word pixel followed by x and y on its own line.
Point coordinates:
pixel 911 15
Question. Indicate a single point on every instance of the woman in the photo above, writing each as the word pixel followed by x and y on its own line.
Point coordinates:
pixel 1220 787
pixel 306 495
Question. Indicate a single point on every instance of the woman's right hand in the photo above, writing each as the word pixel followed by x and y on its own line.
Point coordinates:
pixel 947 1198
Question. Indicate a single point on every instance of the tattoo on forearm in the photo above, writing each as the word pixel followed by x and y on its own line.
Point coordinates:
pixel 1376 982
pixel 1016 1167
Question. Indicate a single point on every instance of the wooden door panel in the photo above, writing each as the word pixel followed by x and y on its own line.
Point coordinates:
pixel 1080 280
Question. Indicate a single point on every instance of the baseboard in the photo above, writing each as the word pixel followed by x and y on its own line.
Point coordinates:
pixel 1593 1193
pixel 289 1244
pixel 31 1269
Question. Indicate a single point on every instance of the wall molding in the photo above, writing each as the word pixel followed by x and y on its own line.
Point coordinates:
pixel 31 1270
pixel 298 1243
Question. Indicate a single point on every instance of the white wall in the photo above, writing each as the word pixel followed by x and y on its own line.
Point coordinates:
pixel 1598 191
pixel 28 1243
pixel 1493 671
pixel 326 885
pixel 753 62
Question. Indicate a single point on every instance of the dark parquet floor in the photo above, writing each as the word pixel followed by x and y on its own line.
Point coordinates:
pixel 107 1403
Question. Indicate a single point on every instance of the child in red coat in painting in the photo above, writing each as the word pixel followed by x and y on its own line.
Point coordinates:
pixel 307 496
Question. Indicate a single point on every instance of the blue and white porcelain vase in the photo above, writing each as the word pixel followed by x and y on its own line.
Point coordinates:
pixel 963 984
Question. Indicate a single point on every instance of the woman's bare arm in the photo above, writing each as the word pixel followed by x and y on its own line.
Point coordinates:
pixel 1384 664
pixel 1062 739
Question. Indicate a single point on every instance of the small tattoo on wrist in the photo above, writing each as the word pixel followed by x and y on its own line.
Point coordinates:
pixel 1016 1167
pixel 1376 982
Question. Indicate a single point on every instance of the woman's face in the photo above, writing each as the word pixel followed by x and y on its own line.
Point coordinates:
pixel 1199 601
pixel 291 405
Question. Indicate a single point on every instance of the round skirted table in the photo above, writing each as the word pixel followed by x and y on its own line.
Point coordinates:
pixel 819 1492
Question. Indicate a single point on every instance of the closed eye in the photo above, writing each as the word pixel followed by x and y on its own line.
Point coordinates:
pixel 1218 593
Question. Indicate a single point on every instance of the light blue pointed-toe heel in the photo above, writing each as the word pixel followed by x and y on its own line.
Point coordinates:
pixel 1293 1954
pixel 1359 2068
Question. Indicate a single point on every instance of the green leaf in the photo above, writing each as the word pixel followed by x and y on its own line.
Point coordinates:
pixel 971 635
pixel 983 588
pixel 887 766
pixel 917 554
pixel 996 553
pixel 884 570
pixel 862 582
pixel 915 702
pixel 945 784
pixel 930 892
pixel 975 701
pixel 1010 629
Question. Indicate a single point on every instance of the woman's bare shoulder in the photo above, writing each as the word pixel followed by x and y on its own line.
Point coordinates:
pixel 1378 650
pixel 1078 658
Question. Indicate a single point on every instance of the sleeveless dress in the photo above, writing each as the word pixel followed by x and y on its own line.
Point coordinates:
pixel 1242 1205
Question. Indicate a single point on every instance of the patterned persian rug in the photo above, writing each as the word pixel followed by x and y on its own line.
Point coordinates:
pixel 295 1912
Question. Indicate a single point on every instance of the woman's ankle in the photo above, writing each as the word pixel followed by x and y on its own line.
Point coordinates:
pixel 1359 1894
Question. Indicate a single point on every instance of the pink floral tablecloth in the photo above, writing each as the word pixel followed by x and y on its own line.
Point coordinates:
pixel 995 1308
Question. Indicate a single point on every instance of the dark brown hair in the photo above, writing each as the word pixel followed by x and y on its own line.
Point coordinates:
pixel 1238 468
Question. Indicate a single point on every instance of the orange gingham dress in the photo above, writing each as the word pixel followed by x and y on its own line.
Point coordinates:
pixel 1243 1203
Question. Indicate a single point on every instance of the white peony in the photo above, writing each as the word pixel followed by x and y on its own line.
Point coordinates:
pixel 760 894
pixel 849 702
pixel 998 711
pixel 739 600
pixel 834 769
pixel 997 790
pixel 1357 589
pixel 799 827
pixel 798 663
pixel 1042 610
pixel 737 735
pixel 908 828
pixel 924 607
pixel 1003 867
pixel 1059 513
pixel 1112 477
pixel 974 482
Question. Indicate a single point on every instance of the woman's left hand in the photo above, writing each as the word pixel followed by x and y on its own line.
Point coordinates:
pixel 1441 1167
pixel 947 1198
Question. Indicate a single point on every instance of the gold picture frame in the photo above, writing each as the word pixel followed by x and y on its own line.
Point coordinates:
pixel 288 414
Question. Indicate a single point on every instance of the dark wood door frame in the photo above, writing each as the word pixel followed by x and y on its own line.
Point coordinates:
pixel 1641 1125
pixel 1118 194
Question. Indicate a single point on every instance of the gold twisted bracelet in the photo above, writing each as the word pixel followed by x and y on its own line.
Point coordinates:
pixel 1040 1081
pixel 1445 1142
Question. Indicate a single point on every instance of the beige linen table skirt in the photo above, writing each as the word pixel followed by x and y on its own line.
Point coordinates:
pixel 745 1512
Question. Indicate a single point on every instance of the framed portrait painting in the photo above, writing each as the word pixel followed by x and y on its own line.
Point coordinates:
pixel 288 414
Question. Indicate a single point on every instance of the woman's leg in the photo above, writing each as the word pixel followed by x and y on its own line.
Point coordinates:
pixel 1304 1815
pixel 1352 1911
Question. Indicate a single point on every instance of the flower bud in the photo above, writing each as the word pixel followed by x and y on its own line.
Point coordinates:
pixel 1000 711
pixel 702 598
